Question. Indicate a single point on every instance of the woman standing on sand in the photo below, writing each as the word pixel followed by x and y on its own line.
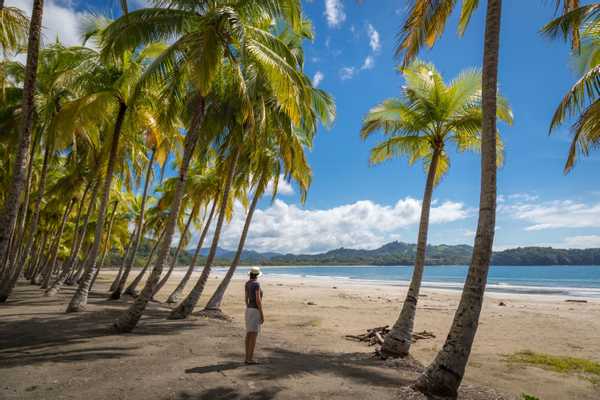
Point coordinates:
pixel 254 313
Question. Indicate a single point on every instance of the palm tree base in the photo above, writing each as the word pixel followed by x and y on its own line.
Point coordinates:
pixel 214 313
pixel 438 381
pixel 394 347
pixel 75 309
pixel 116 295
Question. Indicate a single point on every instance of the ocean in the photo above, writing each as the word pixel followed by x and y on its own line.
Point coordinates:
pixel 575 281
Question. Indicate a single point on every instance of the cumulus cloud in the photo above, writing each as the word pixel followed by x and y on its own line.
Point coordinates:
pixel 284 188
pixel 369 63
pixel 552 214
pixel 287 228
pixel 582 241
pixel 374 40
pixel 60 20
pixel 347 73
pixel 318 78
pixel 334 12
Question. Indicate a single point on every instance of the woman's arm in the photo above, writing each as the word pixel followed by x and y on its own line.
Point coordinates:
pixel 259 305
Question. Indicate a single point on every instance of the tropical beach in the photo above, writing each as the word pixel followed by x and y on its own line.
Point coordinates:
pixel 299 199
pixel 304 350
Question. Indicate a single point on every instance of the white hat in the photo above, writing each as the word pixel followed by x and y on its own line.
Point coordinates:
pixel 255 271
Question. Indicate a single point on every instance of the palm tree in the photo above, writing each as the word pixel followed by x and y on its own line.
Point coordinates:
pixel 429 115
pixel 582 101
pixel 13 28
pixel 203 37
pixel 424 25
pixel 116 294
pixel 11 204
pixel 111 86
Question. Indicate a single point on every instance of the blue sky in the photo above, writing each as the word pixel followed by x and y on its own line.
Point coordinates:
pixel 351 204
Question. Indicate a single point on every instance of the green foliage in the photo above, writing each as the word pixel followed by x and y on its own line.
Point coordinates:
pixel 429 115
pixel 525 396
pixel 559 364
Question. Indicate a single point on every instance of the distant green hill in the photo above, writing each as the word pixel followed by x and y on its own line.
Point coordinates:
pixel 394 253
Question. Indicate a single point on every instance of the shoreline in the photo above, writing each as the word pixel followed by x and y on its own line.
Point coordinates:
pixel 303 343
pixel 493 290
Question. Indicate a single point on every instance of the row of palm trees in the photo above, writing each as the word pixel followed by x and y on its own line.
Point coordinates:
pixel 217 89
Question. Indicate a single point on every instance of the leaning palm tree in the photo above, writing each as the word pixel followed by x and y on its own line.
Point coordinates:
pixel 424 24
pixel 10 208
pixel 205 36
pixel 582 101
pixel 428 116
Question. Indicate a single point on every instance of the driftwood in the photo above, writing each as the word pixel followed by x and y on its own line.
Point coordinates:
pixel 576 301
pixel 375 336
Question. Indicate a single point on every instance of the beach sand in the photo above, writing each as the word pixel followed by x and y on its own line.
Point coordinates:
pixel 46 354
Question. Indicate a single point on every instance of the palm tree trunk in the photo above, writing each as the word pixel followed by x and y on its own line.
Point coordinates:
pixel 44 256
pixel 35 260
pixel 17 248
pixel 11 203
pixel 444 375
pixel 164 280
pixel 115 282
pixel 79 299
pixel 217 298
pixel 116 294
pixel 38 203
pixel 129 319
pixel 106 243
pixel 397 342
pixel 31 260
pixel 186 307
pixel 132 288
pixel 48 272
pixel 77 240
pixel 174 297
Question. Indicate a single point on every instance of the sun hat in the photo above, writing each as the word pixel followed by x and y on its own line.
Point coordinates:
pixel 255 271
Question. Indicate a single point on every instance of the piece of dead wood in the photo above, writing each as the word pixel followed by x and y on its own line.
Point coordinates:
pixel 375 336
pixel 576 301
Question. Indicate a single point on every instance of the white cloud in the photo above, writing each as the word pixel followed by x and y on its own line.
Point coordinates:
pixel 347 73
pixel 318 78
pixel 374 40
pixel 582 241
pixel 369 63
pixel 552 214
pixel 286 227
pixel 334 11
pixel 59 20
pixel 284 188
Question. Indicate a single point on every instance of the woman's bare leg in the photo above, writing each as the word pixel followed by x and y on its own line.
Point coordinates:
pixel 250 345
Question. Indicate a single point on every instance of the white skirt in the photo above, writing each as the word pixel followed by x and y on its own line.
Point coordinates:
pixel 252 320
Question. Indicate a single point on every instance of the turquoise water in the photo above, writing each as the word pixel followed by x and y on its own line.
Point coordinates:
pixel 576 281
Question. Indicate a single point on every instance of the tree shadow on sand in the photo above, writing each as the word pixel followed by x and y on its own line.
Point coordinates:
pixel 227 393
pixel 47 337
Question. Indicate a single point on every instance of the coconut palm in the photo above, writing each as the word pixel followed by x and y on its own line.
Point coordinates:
pixel 13 28
pixel 11 203
pixel 424 24
pixel 582 101
pixel 204 187
pixel 203 36
pixel 428 116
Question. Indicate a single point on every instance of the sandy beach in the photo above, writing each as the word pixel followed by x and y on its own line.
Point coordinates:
pixel 45 353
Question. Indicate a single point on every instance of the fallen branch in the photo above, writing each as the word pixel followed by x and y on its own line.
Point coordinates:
pixel 375 336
